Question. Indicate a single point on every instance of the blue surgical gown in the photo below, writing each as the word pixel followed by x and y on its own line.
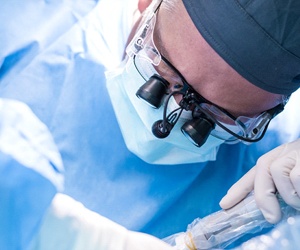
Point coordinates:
pixel 30 174
pixel 54 55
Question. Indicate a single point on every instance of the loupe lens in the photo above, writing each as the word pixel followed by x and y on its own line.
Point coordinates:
pixel 198 130
pixel 153 91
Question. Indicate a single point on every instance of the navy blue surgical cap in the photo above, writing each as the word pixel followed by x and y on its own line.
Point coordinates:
pixel 260 39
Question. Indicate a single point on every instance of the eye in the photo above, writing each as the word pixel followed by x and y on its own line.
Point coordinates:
pixel 169 75
pixel 178 86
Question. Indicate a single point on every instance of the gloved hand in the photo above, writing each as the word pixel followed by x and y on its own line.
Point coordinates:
pixel 69 225
pixel 143 4
pixel 275 171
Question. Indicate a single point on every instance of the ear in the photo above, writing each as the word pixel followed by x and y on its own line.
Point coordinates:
pixel 143 4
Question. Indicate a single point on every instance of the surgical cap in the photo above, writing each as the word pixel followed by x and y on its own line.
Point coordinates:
pixel 260 39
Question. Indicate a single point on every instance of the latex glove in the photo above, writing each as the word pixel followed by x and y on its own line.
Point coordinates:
pixel 68 225
pixel 143 4
pixel 275 171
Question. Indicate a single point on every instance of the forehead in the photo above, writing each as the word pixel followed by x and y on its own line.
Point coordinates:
pixel 182 44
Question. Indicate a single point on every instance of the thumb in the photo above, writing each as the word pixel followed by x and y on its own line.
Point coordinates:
pixel 143 4
pixel 239 190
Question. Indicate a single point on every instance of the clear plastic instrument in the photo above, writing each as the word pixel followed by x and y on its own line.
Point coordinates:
pixel 223 227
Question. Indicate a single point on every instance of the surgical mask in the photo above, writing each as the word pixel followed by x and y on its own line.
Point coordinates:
pixel 136 118
pixel 224 135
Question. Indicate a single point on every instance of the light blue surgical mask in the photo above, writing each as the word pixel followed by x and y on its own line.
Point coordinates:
pixel 136 118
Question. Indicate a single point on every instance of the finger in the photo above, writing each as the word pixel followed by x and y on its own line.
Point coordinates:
pixel 295 175
pixel 286 177
pixel 143 4
pixel 239 190
pixel 265 192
